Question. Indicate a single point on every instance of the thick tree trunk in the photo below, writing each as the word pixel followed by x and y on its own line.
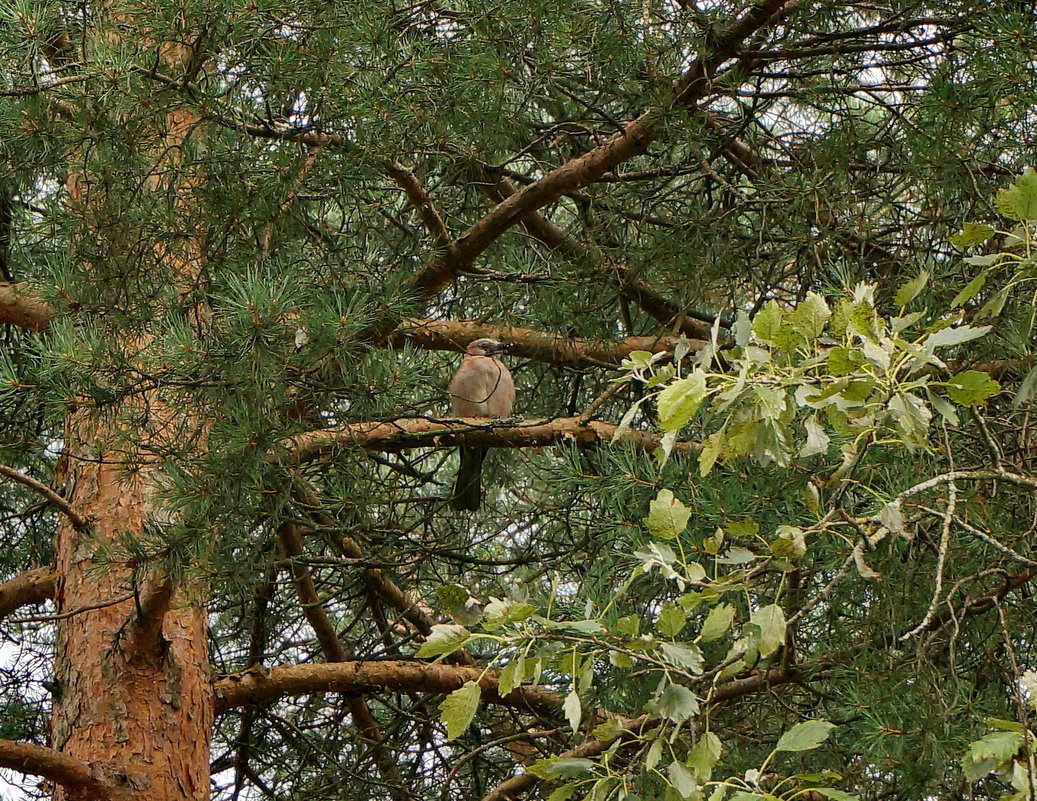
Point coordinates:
pixel 132 672
pixel 134 699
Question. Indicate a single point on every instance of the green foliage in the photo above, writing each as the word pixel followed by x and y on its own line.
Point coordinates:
pixel 811 565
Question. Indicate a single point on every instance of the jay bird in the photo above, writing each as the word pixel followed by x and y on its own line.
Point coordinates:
pixel 481 387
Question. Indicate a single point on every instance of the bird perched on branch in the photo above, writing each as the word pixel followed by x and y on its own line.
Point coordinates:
pixel 481 387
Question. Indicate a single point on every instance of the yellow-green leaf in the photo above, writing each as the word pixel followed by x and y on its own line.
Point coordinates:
pixel 910 290
pixel 667 516
pixel 805 736
pixel 680 400
pixel 458 709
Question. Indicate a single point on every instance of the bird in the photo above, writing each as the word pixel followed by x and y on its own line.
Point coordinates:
pixel 481 387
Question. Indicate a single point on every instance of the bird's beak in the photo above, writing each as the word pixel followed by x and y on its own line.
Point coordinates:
pixel 503 347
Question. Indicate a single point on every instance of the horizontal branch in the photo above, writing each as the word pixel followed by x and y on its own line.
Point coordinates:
pixel 35 760
pixel 419 432
pixel 30 587
pixel 254 687
pixel 541 346
pixel 21 307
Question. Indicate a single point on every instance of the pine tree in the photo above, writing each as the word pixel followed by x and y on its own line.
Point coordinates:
pixel 761 526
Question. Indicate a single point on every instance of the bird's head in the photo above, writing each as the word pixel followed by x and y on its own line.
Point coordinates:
pixel 486 347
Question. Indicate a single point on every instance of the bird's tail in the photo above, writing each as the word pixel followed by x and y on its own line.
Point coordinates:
pixel 468 486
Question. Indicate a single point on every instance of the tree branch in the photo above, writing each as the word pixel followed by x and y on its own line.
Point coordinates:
pixel 418 432
pixel 335 651
pixel 253 687
pixel 42 489
pixel 31 587
pixel 629 285
pixel 20 307
pixel 631 141
pixel 35 760
pixel 541 346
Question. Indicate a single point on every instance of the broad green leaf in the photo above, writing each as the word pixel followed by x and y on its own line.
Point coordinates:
pixel 787 339
pixel 682 780
pixel 835 795
pixel 590 626
pixel 878 353
pixel 805 736
pixel 671 620
pixel 771 620
pixel 718 622
pixel 771 445
pixel 705 755
pixel 771 402
pixel 667 516
pixel 1010 725
pixel 456 601
pixel 511 675
pixel 817 439
pixel 892 518
pixel 944 407
pixel 954 336
pixel 655 753
pixel 638 360
pixel 458 709
pixel 972 234
pixel 843 361
pixel 656 554
pixel 711 545
pixel 898 324
pixel 572 710
pixel 677 703
pixel 563 793
pixel 863 320
pixel 972 388
pixel 810 316
pixel 767 322
pixel 570 767
pixel 736 555
pixel 607 731
pixel 682 347
pixel 629 625
pixel 910 290
pixel 680 400
pixel 741 329
pixel 683 654
pixel 711 450
pixel 974 770
pixel 1019 201
pixel 790 544
pixel 445 638
pixel 999 745
pixel 498 612
pixel 911 416
pixel 746 527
